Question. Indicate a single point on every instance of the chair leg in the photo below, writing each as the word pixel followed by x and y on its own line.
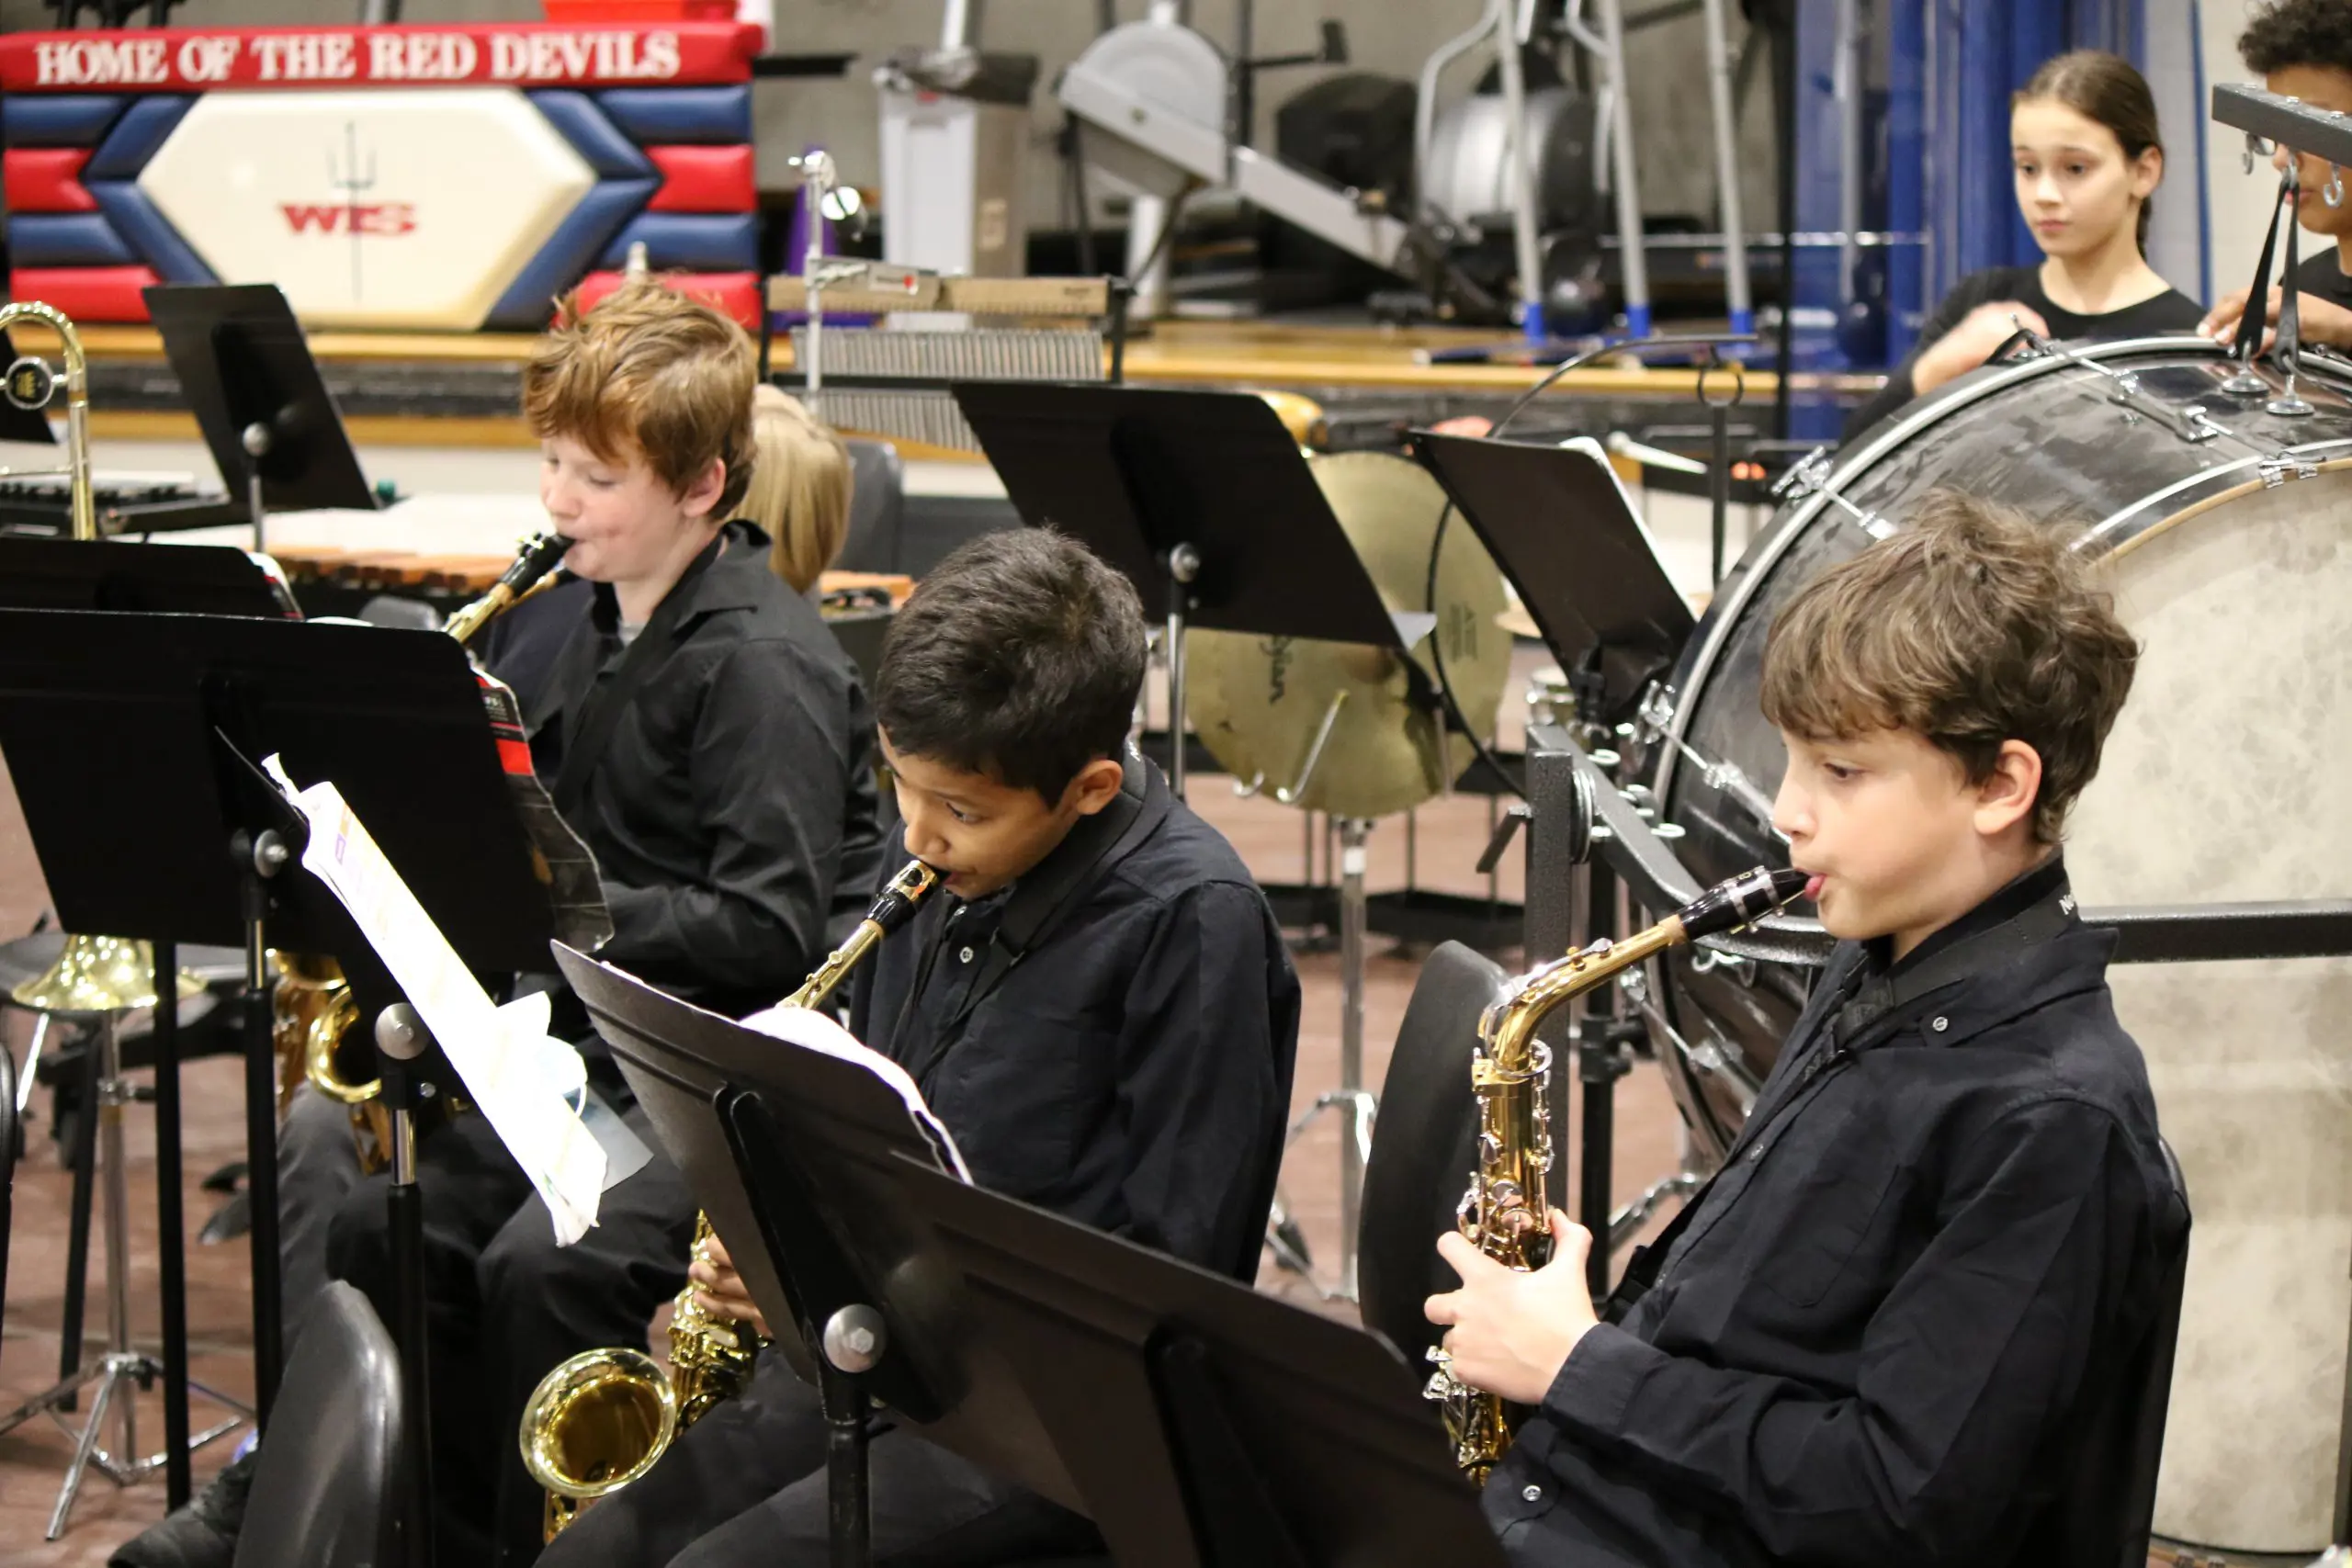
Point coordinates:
pixel 77 1244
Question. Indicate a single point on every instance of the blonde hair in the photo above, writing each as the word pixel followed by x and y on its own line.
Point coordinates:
pixel 801 487
pixel 1973 627
pixel 648 373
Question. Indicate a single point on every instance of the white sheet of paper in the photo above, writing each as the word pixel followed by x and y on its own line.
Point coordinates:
pixel 499 1053
pixel 818 1032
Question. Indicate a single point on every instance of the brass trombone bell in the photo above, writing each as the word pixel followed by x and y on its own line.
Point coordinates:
pixel 99 974
pixel 31 384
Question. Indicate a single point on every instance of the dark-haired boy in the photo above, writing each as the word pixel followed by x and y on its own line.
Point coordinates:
pixel 1922 1282
pixel 2303 49
pixel 1101 1011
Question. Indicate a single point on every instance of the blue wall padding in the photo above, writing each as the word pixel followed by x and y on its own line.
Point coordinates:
pixel 66 238
pixel 663 117
pixel 145 229
pixel 692 242
pixel 57 120
pixel 578 119
pixel 143 128
pixel 567 256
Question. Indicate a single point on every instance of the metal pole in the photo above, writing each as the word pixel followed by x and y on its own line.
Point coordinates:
pixel 1355 1123
pixel 1597 1072
pixel 1628 188
pixel 1727 116
pixel 1183 567
pixel 112 1093
pixel 263 858
pixel 1526 241
pixel 171 1226
pixel 402 1039
pixel 1845 85
pixel 256 439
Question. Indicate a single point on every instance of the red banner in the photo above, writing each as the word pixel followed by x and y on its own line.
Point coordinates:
pixel 180 60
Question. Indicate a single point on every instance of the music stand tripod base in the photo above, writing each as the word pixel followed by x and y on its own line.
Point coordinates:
pixel 120 1364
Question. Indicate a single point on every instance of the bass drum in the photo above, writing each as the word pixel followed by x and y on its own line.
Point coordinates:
pixel 2227 533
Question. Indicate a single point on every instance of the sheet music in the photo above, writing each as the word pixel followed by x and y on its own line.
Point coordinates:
pixel 818 1032
pixel 499 1053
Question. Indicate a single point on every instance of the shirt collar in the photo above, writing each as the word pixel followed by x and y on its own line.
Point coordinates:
pixel 2006 902
pixel 713 580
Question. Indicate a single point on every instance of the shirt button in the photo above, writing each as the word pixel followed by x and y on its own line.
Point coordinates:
pixel 1755 1154
pixel 1940 1024
pixel 1532 1495
pixel 966 955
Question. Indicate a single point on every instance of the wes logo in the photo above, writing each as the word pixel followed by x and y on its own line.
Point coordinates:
pixel 378 218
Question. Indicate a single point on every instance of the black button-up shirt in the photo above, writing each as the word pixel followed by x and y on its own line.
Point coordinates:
pixel 1875 1337
pixel 731 811
pixel 1132 1070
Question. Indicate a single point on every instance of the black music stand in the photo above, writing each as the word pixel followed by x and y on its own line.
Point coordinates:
pixel 1209 1425
pixel 1199 499
pixel 805 1153
pixel 246 371
pixel 59 574
pixel 146 729
pixel 112 574
pixel 1559 526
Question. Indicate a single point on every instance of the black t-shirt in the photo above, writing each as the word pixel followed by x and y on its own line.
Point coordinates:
pixel 2171 312
pixel 2323 274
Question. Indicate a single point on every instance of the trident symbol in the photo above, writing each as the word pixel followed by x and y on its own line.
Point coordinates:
pixel 353 184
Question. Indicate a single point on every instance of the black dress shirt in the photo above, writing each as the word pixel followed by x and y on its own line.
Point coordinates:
pixel 1110 1037
pixel 1874 1338
pixel 731 804
pixel 2169 313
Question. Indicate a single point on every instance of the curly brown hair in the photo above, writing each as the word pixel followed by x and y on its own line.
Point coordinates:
pixel 648 373
pixel 2298 32
pixel 1973 627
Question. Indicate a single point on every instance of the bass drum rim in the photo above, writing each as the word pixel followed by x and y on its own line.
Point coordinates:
pixel 2115 535
pixel 1747 578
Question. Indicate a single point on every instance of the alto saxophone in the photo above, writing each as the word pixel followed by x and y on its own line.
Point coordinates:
pixel 1506 1209
pixel 605 1417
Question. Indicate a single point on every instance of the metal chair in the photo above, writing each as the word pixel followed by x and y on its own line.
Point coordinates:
pixel 1423 1147
pixel 2106 1503
pixel 328 1482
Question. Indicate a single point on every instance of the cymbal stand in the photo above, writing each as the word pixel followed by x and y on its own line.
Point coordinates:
pixel 1357 1105
pixel 120 1370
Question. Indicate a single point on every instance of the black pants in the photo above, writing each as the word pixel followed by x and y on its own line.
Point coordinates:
pixel 745 1488
pixel 505 1306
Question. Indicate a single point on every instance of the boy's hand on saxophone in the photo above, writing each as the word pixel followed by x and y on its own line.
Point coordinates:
pixel 1509 1333
pixel 721 1289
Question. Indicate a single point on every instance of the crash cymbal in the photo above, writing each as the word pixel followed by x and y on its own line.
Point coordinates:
pixel 1517 622
pixel 1260 704
pixel 98 973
